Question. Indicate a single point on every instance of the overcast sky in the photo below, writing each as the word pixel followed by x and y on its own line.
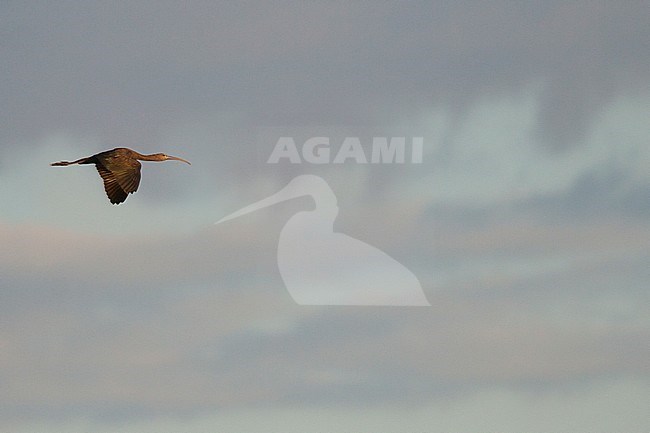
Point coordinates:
pixel 527 223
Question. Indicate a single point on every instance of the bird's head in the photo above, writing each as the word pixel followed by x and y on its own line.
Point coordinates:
pixel 165 157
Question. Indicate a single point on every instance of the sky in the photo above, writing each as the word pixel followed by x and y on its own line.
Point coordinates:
pixel 527 222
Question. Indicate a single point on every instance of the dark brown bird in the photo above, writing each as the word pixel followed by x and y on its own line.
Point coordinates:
pixel 120 170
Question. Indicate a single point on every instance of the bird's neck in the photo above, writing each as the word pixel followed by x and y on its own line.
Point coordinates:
pixel 151 157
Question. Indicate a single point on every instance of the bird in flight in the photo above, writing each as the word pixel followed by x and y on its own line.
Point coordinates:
pixel 120 170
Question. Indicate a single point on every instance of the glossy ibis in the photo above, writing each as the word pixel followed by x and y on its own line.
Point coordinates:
pixel 120 170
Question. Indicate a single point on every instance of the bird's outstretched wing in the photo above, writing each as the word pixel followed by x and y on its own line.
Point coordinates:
pixel 121 176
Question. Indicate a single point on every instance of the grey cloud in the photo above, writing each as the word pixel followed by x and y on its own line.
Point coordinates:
pixel 89 327
pixel 124 72
pixel 538 291
pixel 337 358
pixel 606 189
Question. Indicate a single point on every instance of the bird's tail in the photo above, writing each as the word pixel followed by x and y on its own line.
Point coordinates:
pixel 79 161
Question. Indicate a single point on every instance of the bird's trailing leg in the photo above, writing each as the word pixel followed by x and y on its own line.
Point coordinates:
pixel 88 160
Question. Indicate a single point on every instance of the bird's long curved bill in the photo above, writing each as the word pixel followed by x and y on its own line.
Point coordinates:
pixel 176 158
pixel 282 195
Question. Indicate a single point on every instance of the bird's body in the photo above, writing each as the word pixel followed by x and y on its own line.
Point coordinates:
pixel 120 170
